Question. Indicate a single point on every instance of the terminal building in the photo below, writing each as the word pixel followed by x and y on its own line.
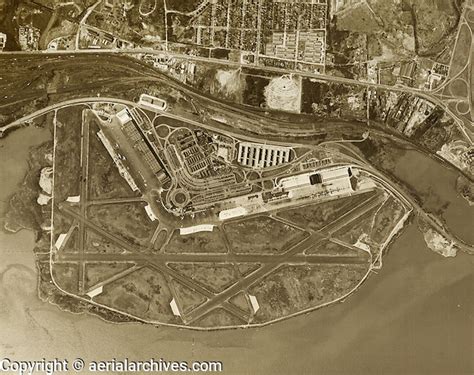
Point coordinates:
pixel 325 184
pixel 331 181
pixel 259 156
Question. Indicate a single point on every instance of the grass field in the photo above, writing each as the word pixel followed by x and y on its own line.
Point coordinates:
pixel 71 246
pixel 126 220
pixel 201 242
pixel 386 219
pixel 98 272
pixel 187 299
pixel 261 235
pixel 240 300
pixel 214 276
pixel 351 232
pixel 315 216
pixel 66 276
pixel 461 52
pixel 219 317
pixel 295 288
pixel 329 248
pixel 246 268
pixel 68 153
pixel 144 294
pixel 104 178
pixel 98 244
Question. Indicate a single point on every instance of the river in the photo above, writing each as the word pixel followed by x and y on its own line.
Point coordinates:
pixel 413 317
pixel 437 186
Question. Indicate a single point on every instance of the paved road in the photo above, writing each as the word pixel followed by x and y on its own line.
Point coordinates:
pixel 78 101
pixel 330 78
pixel 250 138
pixel 300 138
pixel 300 133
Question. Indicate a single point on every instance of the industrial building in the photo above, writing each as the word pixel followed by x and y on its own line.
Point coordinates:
pixel 150 213
pixel 232 213
pixel 196 229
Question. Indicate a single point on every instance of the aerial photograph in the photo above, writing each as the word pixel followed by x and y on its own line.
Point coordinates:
pixel 268 187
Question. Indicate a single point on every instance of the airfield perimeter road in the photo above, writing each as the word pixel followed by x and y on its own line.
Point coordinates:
pixel 158 261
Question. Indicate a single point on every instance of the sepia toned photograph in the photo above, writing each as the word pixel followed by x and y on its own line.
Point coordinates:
pixel 242 187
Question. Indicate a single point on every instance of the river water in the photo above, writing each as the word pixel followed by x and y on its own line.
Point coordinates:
pixel 413 317
pixel 437 185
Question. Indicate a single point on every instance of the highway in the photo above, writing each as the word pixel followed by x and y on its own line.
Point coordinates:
pixel 432 97
pixel 255 122
pixel 251 116
pixel 296 138
pixel 85 100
